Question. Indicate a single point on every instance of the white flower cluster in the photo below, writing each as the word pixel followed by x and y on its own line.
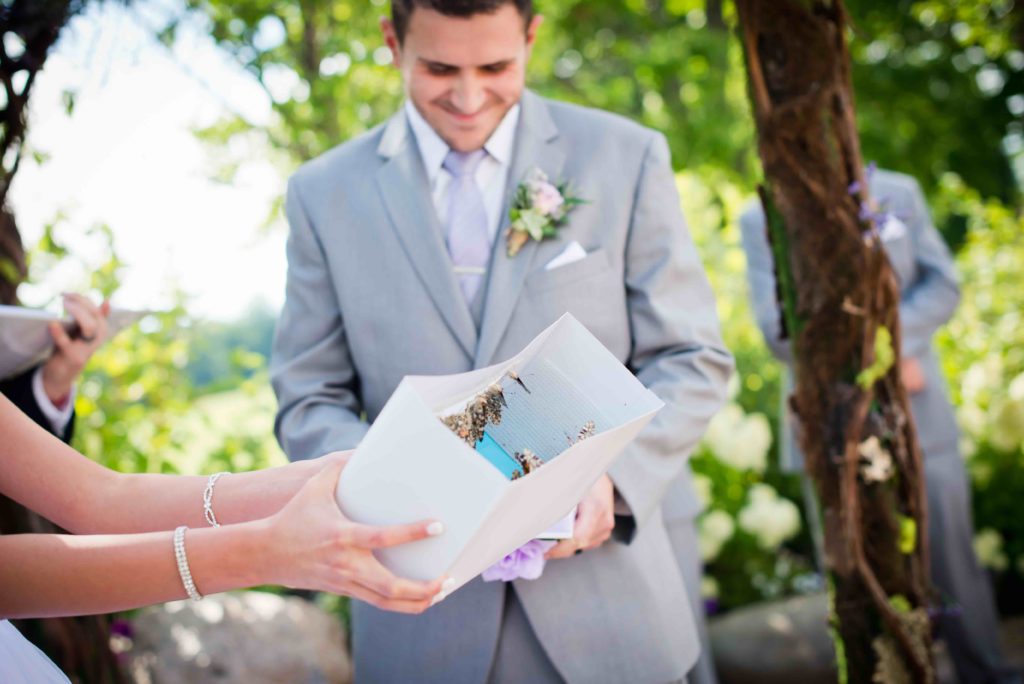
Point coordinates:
pixel 716 527
pixel 770 518
pixel 877 463
pixel 988 546
pixel 704 488
pixel 988 414
pixel 739 439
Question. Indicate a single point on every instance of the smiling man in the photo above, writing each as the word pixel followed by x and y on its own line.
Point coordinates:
pixel 398 265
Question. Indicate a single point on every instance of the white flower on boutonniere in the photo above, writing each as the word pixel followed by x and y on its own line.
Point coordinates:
pixel 538 210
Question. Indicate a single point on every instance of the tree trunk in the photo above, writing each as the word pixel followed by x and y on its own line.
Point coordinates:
pixel 839 302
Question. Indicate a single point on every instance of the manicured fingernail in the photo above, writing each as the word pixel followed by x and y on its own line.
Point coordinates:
pixel 448 585
pixel 435 528
pixel 441 596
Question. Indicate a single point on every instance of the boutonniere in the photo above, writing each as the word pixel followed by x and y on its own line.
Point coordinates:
pixel 538 210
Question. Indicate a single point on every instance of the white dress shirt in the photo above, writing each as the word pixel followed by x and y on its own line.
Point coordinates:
pixel 491 175
pixel 57 417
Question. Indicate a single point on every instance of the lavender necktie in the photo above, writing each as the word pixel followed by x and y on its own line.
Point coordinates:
pixel 469 240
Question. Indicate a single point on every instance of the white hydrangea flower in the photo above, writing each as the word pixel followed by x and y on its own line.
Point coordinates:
pixel 972 419
pixel 968 447
pixel 721 428
pixel 753 440
pixel 770 518
pixel 739 440
pixel 988 546
pixel 704 488
pixel 1007 431
pixel 981 377
pixel 734 387
pixel 709 587
pixel 1016 389
pixel 716 527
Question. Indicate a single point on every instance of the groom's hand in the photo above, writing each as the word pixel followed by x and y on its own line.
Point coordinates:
pixel 595 520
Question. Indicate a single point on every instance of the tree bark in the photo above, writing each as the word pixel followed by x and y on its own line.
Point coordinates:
pixel 839 301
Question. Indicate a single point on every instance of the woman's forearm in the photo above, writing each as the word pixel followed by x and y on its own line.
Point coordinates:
pixel 145 503
pixel 46 475
pixel 120 572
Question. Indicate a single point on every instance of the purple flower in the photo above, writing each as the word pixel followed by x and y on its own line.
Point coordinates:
pixel 526 562
pixel 855 186
pixel 123 628
pixel 546 198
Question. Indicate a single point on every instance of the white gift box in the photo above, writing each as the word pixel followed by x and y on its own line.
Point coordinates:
pixel 411 467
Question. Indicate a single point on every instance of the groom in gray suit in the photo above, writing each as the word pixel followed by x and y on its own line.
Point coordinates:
pixel 928 296
pixel 398 265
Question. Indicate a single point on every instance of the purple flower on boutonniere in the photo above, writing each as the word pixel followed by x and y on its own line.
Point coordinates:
pixel 526 562
pixel 538 210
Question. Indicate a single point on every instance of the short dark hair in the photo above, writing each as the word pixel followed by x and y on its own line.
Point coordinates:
pixel 401 10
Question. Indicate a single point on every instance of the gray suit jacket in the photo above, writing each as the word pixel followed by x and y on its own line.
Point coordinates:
pixel 371 297
pixel 929 294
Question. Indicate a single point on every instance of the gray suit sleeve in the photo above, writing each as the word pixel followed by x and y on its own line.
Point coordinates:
pixel 761 281
pixel 928 302
pixel 677 348
pixel 311 369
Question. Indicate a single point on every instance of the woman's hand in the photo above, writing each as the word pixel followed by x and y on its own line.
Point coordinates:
pixel 316 547
pixel 70 355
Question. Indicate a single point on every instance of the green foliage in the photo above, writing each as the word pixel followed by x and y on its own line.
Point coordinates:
pixel 223 352
pixel 983 356
pixel 753 540
pixel 322 65
pixel 926 73
pixel 139 411
pixel 138 408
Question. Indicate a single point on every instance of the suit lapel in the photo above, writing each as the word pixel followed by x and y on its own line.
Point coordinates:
pixel 405 190
pixel 536 146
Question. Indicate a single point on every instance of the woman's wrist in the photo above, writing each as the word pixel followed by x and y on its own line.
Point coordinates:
pixel 232 556
pixel 265 551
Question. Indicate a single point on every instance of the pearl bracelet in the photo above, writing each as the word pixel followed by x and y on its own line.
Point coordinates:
pixel 183 571
pixel 208 499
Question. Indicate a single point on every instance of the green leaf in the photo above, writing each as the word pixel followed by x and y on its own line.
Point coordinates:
pixel 533 223
pixel 884 358
pixel 900 603
pixel 9 271
pixel 908 534
pixel 68 97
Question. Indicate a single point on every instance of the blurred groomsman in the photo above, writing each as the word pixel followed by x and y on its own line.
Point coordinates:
pixel 929 294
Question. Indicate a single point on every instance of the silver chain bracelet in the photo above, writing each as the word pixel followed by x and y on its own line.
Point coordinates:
pixel 183 570
pixel 208 499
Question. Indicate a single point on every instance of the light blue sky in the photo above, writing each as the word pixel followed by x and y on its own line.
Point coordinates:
pixel 127 157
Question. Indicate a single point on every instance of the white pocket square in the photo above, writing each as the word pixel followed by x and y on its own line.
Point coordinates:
pixel 572 252
pixel 892 229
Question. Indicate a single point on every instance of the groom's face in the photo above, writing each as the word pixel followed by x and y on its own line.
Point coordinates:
pixel 463 74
